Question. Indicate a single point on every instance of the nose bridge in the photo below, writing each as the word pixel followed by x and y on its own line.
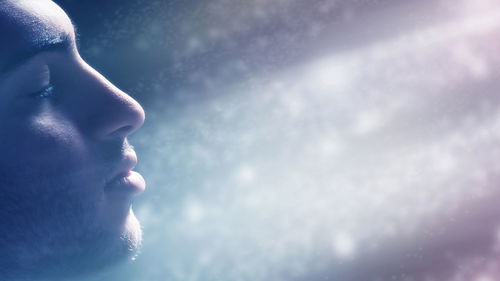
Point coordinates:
pixel 113 113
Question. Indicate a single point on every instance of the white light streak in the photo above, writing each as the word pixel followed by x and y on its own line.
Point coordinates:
pixel 370 146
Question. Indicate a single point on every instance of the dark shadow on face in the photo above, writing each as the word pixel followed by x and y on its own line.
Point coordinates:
pixel 66 168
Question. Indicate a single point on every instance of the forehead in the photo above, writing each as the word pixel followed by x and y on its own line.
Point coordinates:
pixel 26 25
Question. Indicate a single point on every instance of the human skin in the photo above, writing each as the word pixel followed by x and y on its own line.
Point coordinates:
pixel 66 183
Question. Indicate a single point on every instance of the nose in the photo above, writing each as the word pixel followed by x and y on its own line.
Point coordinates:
pixel 112 114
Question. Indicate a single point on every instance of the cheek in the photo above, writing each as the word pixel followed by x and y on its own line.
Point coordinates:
pixel 41 145
pixel 47 170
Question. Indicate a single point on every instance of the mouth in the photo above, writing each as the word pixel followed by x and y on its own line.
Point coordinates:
pixel 123 179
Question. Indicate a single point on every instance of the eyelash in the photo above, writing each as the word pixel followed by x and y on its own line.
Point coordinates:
pixel 44 93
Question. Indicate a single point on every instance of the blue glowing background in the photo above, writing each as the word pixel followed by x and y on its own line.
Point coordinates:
pixel 309 139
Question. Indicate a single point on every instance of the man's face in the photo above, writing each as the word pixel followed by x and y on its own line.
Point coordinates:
pixel 65 166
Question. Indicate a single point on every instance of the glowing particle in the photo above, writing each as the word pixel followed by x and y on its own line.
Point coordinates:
pixel 194 211
pixel 245 174
pixel 344 245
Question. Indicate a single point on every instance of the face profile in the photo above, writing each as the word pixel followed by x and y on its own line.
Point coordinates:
pixel 66 167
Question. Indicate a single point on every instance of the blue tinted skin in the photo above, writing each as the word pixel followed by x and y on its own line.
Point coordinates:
pixel 63 130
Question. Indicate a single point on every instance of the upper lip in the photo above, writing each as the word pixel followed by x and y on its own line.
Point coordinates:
pixel 127 164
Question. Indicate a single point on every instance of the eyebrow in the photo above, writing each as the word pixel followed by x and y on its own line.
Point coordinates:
pixel 61 43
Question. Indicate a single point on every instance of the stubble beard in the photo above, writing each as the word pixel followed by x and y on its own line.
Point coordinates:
pixel 59 234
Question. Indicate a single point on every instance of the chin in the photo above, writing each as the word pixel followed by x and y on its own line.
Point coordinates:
pixel 96 255
pixel 122 246
pixel 115 249
pixel 103 254
pixel 132 235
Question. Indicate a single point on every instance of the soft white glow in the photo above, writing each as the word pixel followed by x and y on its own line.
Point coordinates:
pixel 344 246
pixel 337 159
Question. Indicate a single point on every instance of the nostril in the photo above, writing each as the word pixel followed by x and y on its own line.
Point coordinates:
pixel 123 131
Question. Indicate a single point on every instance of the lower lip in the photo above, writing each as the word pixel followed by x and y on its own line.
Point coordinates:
pixel 131 183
